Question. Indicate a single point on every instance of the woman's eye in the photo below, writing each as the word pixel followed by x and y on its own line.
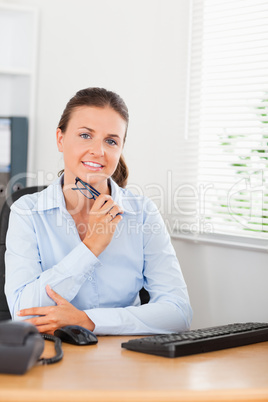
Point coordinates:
pixel 84 135
pixel 111 142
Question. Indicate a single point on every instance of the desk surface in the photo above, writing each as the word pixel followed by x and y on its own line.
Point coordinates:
pixel 105 372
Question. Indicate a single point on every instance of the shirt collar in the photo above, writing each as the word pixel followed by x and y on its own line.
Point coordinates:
pixel 52 197
pixel 123 198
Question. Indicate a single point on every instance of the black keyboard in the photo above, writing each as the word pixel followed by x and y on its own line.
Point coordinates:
pixel 200 340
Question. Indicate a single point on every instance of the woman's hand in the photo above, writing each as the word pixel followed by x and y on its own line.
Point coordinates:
pixel 50 318
pixel 103 219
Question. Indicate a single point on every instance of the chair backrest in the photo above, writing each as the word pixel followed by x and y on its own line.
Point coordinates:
pixel 4 218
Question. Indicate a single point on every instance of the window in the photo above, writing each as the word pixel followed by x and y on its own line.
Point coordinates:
pixel 223 162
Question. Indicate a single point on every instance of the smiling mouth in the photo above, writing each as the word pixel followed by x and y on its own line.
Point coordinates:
pixel 93 164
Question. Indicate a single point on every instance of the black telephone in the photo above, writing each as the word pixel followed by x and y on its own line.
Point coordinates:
pixel 21 346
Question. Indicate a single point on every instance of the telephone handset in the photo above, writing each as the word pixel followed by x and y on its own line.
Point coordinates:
pixel 21 346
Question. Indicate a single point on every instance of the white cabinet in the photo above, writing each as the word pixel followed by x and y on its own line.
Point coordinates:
pixel 18 58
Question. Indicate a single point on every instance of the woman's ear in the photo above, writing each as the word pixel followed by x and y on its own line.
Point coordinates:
pixel 59 136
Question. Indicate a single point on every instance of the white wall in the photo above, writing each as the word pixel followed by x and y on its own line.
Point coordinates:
pixel 138 48
pixel 226 284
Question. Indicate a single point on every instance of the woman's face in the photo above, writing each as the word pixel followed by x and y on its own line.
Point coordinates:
pixel 92 145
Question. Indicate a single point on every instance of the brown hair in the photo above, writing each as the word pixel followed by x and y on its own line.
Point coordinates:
pixel 99 97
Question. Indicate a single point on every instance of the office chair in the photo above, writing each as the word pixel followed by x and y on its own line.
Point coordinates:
pixel 144 296
pixel 4 218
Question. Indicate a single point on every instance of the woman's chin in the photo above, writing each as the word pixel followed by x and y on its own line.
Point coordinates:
pixel 98 181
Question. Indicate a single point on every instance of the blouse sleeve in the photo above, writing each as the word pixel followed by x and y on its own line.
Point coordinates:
pixel 169 308
pixel 26 280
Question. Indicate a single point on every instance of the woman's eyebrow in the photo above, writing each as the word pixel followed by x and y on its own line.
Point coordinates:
pixel 93 131
pixel 114 135
pixel 87 128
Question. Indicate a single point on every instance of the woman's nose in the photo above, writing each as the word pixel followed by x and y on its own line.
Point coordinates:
pixel 96 148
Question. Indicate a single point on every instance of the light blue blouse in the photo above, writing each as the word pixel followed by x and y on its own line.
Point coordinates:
pixel 44 247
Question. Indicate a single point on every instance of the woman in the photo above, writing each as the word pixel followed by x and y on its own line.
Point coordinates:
pixel 75 260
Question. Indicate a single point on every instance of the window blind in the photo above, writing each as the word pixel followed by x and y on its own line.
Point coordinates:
pixel 222 179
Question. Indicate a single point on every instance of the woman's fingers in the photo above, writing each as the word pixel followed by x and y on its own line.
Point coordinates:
pixel 38 321
pixel 33 311
pixel 48 319
pixel 104 204
pixel 55 296
pixel 113 212
pixel 103 218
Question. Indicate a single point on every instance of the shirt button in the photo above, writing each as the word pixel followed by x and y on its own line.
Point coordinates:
pixel 90 278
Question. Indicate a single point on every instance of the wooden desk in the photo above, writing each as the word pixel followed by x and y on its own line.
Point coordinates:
pixel 107 373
